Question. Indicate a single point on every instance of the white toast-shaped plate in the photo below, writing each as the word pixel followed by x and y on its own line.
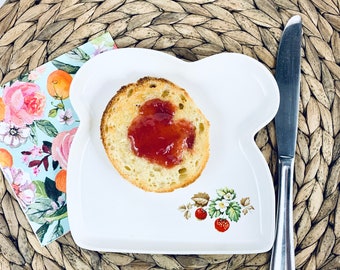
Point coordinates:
pixel 239 96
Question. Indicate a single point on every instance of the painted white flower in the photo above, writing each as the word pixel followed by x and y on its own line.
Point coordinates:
pixel 12 135
pixel 21 184
pixel 221 205
pixel 229 196
pixel 66 117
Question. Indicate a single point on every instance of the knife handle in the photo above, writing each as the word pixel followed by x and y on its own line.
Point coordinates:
pixel 283 256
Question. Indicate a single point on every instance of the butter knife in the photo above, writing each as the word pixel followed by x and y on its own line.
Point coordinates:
pixel 287 75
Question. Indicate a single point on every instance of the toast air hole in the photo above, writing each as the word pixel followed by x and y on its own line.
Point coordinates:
pixel 165 93
pixel 129 93
pixel 182 170
pixel 201 127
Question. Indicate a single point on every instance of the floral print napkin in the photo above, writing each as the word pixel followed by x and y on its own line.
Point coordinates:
pixel 37 126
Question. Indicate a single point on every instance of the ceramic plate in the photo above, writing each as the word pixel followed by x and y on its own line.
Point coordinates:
pixel 239 96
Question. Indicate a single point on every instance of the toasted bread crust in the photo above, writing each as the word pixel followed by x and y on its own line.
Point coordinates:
pixel 117 117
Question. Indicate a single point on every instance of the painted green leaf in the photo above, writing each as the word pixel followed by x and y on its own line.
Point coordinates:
pixel 59 214
pixel 60 105
pixel 55 164
pixel 83 56
pixel 103 40
pixel 24 78
pixel 47 127
pixel 52 192
pixel 58 230
pixel 234 211
pixel 33 134
pixel 42 231
pixel 36 211
pixel 65 67
pixel 212 211
pixel 53 113
pixel 226 193
pixel 40 189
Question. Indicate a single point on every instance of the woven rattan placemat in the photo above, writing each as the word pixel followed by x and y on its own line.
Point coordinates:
pixel 33 32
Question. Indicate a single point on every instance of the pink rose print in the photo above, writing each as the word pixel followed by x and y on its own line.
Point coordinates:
pixel 24 103
pixel 21 184
pixel 61 147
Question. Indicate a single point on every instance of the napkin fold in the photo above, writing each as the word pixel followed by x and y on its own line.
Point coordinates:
pixel 37 126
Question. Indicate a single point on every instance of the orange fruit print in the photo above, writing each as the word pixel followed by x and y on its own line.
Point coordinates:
pixel 6 159
pixel 58 84
pixel 60 180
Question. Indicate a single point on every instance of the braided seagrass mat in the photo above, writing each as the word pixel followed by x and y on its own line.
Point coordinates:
pixel 33 32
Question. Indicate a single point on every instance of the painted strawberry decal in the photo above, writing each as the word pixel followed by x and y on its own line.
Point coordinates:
pixel 221 224
pixel 200 213
pixel 222 209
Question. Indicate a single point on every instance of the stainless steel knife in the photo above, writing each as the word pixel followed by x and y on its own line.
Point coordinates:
pixel 288 69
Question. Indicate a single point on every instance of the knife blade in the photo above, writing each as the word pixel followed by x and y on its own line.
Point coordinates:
pixel 288 70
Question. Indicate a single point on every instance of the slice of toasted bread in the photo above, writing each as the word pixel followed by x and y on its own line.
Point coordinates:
pixel 119 114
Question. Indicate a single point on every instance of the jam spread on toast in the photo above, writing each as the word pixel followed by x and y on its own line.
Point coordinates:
pixel 156 136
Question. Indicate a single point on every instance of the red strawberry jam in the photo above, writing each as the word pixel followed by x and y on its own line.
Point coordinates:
pixel 156 136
